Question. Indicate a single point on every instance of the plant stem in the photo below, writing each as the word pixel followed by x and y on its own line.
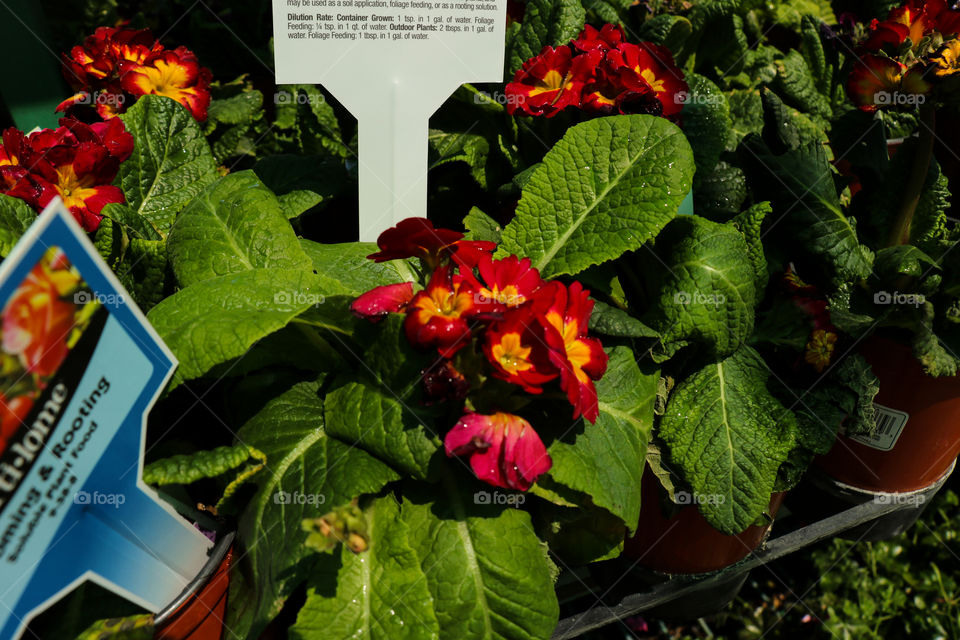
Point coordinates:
pixel 900 231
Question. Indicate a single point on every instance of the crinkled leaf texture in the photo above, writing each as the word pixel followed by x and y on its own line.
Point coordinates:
pixel 216 320
pixel 236 224
pixel 806 208
pixel 379 594
pixel 303 457
pixel 605 460
pixel 608 186
pixel 486 570
pixel 545 22
pixel 15 218
pixel 706 290
pixel 345 269
pixel 171 161
pixel 728 436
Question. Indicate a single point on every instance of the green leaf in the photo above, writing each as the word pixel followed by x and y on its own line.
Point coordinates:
pixel 728 436
pixel 15 218
pixel 382 424
pixel 300 458
pixel 719 194
pixel 219 319
pixel 706 121
pixel 470 148
pixel 235 225
pixel 143 271
pixel 749 224
pixel 480 226
pixel 746 113
pixel 487 571
pixel 545 22
pixel 298 202
pixel 241 108
pixel 799 185
pixel 345 269
pixel 188 468
pixel 668 30
pixel 379 594
pixel 134 225
pixel 607 187
pixel 605 460
pixel 287 174
pixel 705 287
pixel 613 321
pixel 795 83
pixel 581 536
pixel 171 161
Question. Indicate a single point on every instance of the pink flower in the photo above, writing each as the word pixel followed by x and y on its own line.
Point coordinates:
pixel 504 449
pixel 374 305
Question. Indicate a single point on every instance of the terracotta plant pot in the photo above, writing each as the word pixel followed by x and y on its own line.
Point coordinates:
pixel 199 612
pixel 687 543
pixel 919 422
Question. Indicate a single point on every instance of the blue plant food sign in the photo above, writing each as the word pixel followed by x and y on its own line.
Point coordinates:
pixel 80 368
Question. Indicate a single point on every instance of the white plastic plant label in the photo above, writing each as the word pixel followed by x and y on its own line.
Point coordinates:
pixel 80 368
pixel 392 63
pixel 890 424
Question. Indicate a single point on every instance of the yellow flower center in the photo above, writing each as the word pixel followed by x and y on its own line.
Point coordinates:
pixel 167 79
pixel 820 349
pixel 442 302
pixel 655 83
pixel 74 190
pixel 578 352
pixel 511 354
pixel 509 295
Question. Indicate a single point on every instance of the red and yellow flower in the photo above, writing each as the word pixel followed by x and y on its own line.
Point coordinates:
pixel 647 65
pixel 579 358
pixel 414 238
pixel 879 81
pixel 551 81
pixel 114 66
pixel 518 350
pixel 505 283
pixel 504 449
pixel 438 316
pixel 37 320
pixel 610 36
pixel 175 74
pixel 945 62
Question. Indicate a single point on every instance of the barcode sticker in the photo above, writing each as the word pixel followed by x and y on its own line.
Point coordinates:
pixel 890 424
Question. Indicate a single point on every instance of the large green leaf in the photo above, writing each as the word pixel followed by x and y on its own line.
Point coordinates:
pixel 219 319
pixel 706 121
pixel 806 208
pixel 380 594
pixel 487 571
pixel 545 22
pixel 381 423
pixel 705 287
pixel 300 458
pixel 605 460
pixel 728 436
pixel 15 218
pixel 607 187
pixel 236 224
pixel 171 161
pixel 345 269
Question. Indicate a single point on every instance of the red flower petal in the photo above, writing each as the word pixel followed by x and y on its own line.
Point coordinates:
pixel 414 238
pixel 504 449
pixel 374 305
